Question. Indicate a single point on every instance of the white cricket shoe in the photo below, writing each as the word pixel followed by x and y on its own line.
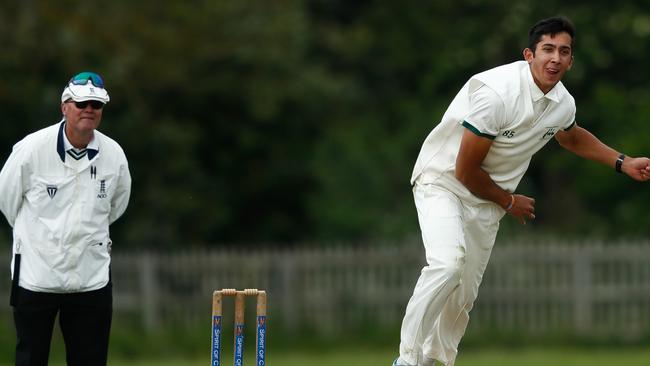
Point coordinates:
pixel 399 362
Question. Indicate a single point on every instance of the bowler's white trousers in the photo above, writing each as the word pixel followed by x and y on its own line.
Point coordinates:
pixel 458 239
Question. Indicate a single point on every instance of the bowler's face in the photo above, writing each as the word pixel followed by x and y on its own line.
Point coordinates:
pixel 552 58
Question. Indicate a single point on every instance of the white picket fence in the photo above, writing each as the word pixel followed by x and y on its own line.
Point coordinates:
pixel 590 288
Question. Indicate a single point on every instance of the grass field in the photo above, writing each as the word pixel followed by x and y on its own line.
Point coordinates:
pixel 495 357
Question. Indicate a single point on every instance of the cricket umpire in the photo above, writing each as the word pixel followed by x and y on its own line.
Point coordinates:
pixel 60 189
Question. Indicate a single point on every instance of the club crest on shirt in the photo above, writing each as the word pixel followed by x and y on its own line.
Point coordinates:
pixel 550 132
pixel 51 190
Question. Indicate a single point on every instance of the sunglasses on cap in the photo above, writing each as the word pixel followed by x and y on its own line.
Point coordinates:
pixel 83 77
pixel 94 104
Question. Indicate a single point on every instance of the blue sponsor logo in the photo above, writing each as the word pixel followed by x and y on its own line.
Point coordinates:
pixel 261 340
pixel 216 340
pixel 239 344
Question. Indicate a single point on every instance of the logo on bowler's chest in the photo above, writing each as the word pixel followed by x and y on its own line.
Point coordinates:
pixel 102 189
pixel 550 132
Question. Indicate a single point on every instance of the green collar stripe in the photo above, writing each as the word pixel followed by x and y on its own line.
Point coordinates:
pixel 476 131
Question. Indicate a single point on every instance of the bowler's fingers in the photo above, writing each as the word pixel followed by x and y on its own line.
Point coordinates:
pixel 644 173
pixel 531 209
pixel 525 215
pixel 525 210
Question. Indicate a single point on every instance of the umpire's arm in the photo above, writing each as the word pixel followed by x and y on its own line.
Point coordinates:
pixel 11 183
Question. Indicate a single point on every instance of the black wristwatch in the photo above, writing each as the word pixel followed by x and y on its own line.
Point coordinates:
pixel 619 163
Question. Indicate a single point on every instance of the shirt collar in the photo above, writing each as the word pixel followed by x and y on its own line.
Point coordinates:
pixel 63 144
pixel 537 94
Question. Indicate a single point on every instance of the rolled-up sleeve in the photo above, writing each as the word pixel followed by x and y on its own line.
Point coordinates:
pixel 486 114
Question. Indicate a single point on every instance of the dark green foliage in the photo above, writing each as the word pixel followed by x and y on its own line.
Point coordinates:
pixel 298 120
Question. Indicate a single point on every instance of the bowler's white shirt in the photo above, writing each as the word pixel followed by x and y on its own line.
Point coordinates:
pixel 498 104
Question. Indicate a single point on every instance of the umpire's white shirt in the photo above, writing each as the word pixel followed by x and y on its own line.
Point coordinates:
pixel 500 104
pixel 60 209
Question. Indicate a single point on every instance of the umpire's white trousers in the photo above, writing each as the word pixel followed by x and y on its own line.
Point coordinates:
pixel 458 239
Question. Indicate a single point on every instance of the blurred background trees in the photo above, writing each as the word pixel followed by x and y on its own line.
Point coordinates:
pixel 300 120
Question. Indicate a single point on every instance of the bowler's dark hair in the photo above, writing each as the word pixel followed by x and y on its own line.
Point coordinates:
pixel 551 26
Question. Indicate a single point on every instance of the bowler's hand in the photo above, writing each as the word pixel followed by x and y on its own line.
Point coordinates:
pixel 523 208
pixel 637 168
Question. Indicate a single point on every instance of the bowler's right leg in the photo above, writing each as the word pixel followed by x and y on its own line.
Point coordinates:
pixel 440 215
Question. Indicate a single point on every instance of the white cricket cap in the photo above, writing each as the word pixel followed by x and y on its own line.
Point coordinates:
pixel 85 86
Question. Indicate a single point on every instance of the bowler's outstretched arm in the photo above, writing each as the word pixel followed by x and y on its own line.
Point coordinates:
pixel 584 144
